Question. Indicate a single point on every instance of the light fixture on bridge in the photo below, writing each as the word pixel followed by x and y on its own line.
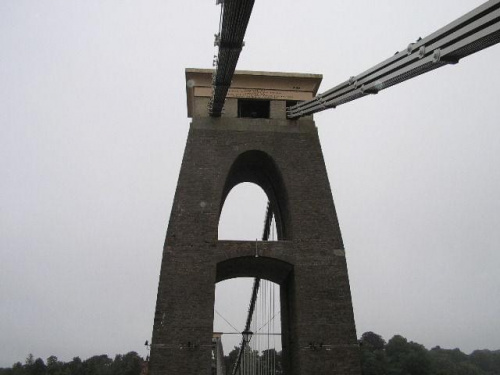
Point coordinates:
pixel 247 336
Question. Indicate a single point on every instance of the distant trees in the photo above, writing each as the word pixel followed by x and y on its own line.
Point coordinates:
pixel 373 357
pixel 402 357
pixel 405 357
pixel 128 364
pixel 398 356
pixel 230 359
pixel 265 361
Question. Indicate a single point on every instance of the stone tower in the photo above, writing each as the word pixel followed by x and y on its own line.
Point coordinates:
pixel 254 142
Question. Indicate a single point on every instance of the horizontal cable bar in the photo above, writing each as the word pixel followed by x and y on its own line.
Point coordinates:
pixel 253 334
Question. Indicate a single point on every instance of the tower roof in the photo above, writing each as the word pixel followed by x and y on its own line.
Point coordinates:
pixel 254 85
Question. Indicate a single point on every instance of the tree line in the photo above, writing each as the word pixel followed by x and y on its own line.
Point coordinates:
pixel 398 356
pixel 128 364
pixel 268 361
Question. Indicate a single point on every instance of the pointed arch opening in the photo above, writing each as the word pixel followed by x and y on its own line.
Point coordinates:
pixel 244 213
pixel 259 168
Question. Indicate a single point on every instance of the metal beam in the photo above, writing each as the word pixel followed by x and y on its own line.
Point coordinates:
pixel 235 17
pixel 469 34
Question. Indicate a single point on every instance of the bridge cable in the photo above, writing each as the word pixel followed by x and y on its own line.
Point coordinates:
pixel 469 34
pixel 227 321
pixel 235 16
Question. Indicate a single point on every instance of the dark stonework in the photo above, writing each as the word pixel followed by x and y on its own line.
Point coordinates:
pixel 285 159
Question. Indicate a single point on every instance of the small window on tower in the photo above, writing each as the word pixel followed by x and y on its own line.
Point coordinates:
pixel 253 108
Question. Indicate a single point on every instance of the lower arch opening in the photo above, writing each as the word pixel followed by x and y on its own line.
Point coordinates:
pixel 248 333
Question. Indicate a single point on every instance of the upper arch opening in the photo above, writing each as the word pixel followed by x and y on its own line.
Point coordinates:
pixel 259 168
pixel 243 214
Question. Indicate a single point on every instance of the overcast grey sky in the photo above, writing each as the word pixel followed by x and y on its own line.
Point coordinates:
pixel 92 129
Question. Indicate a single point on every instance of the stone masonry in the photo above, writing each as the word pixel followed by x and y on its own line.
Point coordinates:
pixel 308 261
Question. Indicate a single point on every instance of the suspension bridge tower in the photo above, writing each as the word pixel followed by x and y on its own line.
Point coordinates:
pixel 253 141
